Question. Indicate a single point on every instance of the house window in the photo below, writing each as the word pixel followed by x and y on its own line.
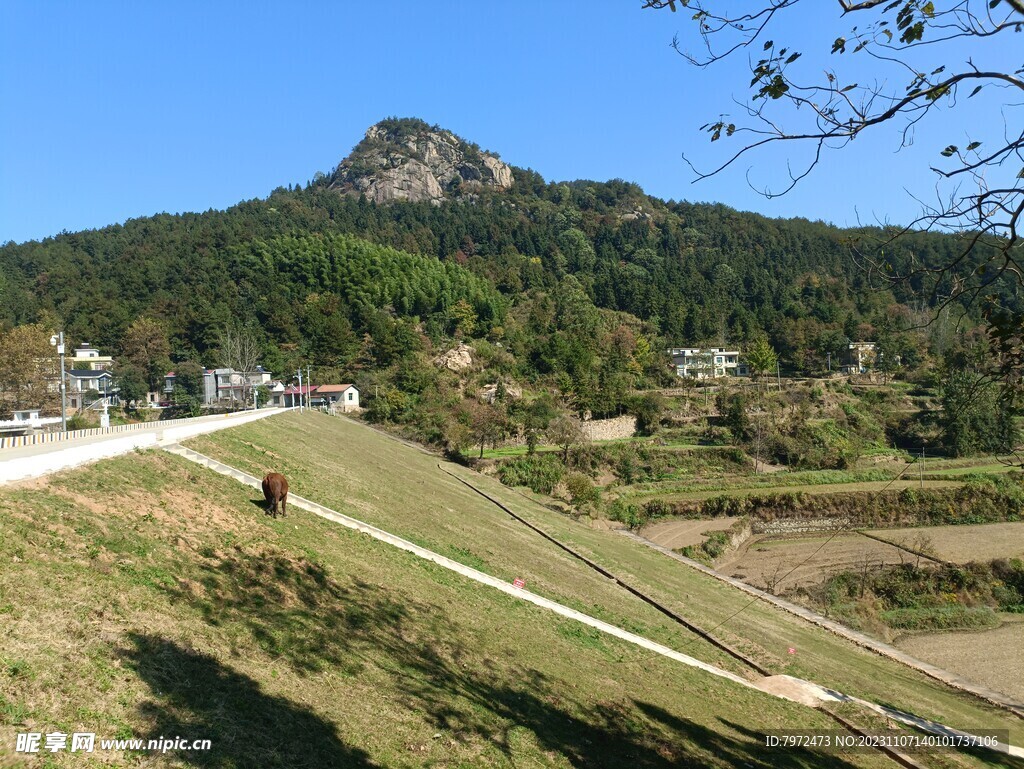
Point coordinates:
pixel 350 396
pixel 718 359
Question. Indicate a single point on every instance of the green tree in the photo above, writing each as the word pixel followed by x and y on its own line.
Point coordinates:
pixel 761 357
pixel 133 385
pixel 565 432
pixel 146 347
pixel 973 418
pixel 189 380
pixel 582 491
pixel 463 319
pixel 486 422
pixel 648 410
pixel 28 370
pixel 732 407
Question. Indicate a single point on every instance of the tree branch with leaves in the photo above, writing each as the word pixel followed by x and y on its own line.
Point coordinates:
pixel 897 67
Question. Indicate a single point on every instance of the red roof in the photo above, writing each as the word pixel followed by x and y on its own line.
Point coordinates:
pixel 293 390
pixel 338 388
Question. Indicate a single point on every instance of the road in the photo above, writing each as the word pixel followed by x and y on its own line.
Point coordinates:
pixel 41 459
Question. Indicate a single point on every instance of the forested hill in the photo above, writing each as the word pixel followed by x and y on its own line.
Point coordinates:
pixel 323 271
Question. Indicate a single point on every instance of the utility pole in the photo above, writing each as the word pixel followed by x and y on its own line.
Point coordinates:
pixel 309 387
pixel 57 340
pixel 299 375
pixel 778 375
pixel 922 467
pixel 829 362
pixel 105 416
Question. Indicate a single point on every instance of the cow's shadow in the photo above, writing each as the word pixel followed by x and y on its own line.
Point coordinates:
pixel 197 697
pixel 261 503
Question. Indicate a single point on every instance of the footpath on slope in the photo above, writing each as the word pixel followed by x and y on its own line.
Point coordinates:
pixel 784 687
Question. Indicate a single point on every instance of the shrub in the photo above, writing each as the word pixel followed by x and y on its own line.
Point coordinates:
pixel 582 491
pixel 940 618
pixel 631 515
pixel 540 472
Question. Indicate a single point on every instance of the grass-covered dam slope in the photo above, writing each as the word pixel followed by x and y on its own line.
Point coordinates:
pixel 357 471
pixel 145 596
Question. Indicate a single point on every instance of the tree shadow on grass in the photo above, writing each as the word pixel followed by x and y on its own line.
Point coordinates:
pixel 301 615
pixel 197 697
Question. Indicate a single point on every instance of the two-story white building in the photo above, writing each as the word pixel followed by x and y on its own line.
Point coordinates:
pixel 88 357
pixel 708 362
pixel 223 385
pixel 83 381
pixel 859 357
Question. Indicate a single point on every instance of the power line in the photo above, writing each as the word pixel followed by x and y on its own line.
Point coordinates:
pixel 834 534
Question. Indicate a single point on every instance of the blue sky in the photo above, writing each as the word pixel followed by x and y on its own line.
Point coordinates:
pixel 114 110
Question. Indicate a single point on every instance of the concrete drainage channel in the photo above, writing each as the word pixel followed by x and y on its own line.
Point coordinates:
pixel 785 687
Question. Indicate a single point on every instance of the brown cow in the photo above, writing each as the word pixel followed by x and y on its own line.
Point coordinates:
pixel 275 489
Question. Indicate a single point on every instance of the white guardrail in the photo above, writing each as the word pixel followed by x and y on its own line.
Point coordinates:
pixel 63 455
pixel 18 441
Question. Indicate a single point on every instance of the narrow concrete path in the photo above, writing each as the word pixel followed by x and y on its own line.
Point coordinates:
pixel 23 462
pixel 795 690
pixel 865 641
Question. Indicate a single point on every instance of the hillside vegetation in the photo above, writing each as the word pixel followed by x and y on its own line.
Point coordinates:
pixel 575 288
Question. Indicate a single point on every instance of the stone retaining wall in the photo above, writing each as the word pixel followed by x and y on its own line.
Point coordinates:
pixel 610 429
pixel 799 525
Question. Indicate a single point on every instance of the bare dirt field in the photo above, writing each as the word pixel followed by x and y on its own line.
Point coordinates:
pixel 994 658
pixel 961 544
pixel 680 533
pixel 759 561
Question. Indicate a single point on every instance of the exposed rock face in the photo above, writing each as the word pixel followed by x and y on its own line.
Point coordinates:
pixel 456 359
pixel 408 160
pixel 489 392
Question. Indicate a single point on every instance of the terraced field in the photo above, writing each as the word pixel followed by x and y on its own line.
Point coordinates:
pixel 960 544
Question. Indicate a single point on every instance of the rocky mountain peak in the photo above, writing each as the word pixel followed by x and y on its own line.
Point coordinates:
pixel 407 159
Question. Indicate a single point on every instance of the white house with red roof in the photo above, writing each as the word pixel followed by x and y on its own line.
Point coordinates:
pixel 339 397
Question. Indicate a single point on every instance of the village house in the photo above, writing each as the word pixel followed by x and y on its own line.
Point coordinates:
pixel 84 386
pixel 707 362
pixel 26 422
pixel 224 385
pixel 88 357
pixel 338 397
pixel 293 394
pixel 275 392
pixel 859 357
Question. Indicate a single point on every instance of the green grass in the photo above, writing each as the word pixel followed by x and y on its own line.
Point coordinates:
pixel 806 481
pixel 151 597
pixel 519 451
pixel 344 465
